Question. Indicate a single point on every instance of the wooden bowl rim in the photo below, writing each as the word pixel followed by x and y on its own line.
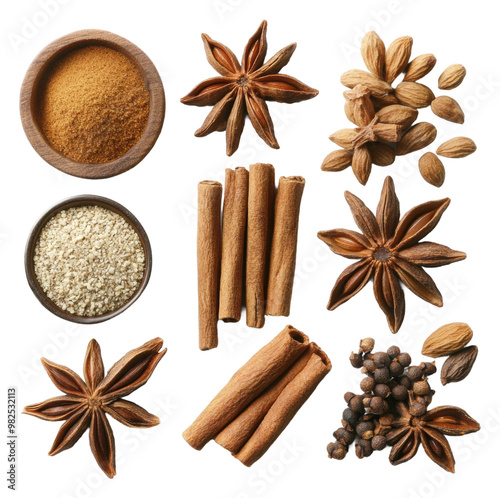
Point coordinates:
pixel 75 201
pixel 152 80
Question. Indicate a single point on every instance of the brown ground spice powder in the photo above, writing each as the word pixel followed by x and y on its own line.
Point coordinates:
pixel 93 105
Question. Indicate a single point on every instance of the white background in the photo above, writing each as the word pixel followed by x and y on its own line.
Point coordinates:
pixel 161 192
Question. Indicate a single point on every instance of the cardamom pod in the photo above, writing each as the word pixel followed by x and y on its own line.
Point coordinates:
pixel 419 67
pixel 373 53
pixel 451 77
pixel 447 108
pixel 447 340
pixel 458 365
pixel 338 160
pixel 396 57
pixel 417 137
pixel 414 94
pixel 377 86
pixel 432 169
pixel 457 147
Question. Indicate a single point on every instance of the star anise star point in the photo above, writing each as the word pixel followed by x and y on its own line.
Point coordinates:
pixel 243 89
pixel 87 402
pixel 389 253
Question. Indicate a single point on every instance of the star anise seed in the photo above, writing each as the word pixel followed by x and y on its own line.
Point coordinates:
pixel 243 89
pixel 86 403
pixel 389 252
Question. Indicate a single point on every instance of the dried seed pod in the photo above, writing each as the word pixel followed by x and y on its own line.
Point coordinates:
pixel 447 340
pixel 363 448
pixel 338 160
pixel 378 87
pixel 457 147
pixel 414 94
pixel 381 359
pixel 432 169
pixel 362 164
pixel 344 436
pixel 404 359
pixel 336 450
pixel 382 375
pixel 366 345
pixel 458 365
pixel 373 53
pixel 451 77
pixel 398 114
pixel 447 108
pixel 399 393
pixel 356 360
pixel 417 137
pixel 378 443
pixel 381 154
pixel 367 384
pixel 344 138
pixel 419 67
pixel 396 57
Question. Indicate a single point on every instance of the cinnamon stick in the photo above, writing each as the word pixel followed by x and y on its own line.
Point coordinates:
pixel 234 220
pixel 260 201
pixel 208 255
pixel 234 436
pixel 293 396
pixel 284 245
pixel 246 384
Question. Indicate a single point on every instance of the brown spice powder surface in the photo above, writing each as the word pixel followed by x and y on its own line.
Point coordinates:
pixel 93 105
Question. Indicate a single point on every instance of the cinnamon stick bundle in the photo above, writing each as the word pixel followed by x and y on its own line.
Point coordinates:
pixel 246 384
pixel 234 221
pixel 261 193
pixel 284 245
pixel 209 256
pixel 252 410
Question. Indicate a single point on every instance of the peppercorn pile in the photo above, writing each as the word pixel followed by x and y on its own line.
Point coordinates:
pixel 393 411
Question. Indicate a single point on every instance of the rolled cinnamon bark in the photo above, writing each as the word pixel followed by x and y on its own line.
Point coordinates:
pixel 284 245
pixel 234 436
pixel 246 384
pixel 208 255
pixel 260 201
pixel 293 396
pixel 234 221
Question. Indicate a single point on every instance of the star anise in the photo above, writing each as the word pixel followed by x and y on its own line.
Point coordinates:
pixel 429 430
pixel 389 251
pixel 243 89
pixel 86 403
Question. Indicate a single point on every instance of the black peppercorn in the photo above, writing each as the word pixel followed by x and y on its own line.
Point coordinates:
pixel 365 430
pixel 363 448
pixel 348 396
pixel 399 392
pixel 396 369
pixel 381 359
pixel 336 450
pixel 382 390
pixel 414 373
pixel 417 409
pixel 375 405
pixel 378 443
pixel 393 351
pixel 356 360
pixel 369 366
pixel 428 368
pixel 350 416
pixel 344 436
pixel 404 359
pixel 367 384
pixel 356 404
pixel 382 375
pixel 421 387
pixel 405 381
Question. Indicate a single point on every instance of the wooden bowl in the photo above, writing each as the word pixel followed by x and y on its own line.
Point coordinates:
pixel 45 60
pixel 85 200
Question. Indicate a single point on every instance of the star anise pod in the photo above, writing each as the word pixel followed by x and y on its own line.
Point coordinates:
pixel 429 430
pixel 87 403
pixel 242 89
pixel 389 251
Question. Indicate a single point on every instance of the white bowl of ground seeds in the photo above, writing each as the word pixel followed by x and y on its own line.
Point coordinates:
pixel 88 259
